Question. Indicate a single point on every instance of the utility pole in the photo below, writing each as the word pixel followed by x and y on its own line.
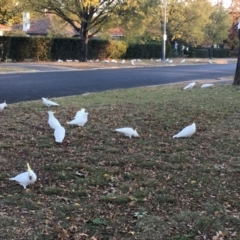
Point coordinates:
pixel 237 72
pixel 164 31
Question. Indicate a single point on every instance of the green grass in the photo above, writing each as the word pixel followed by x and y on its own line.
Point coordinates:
pixel 96 181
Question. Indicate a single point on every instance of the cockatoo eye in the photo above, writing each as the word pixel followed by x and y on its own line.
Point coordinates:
pixel 30 177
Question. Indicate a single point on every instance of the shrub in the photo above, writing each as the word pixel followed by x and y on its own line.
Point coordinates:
pixel 191 54
pixel 201 53
pixel 147 50
pixel 221 53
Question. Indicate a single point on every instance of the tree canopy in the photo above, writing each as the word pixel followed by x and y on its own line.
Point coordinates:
pixel 10 12
pixel 218 27
pixel 85 16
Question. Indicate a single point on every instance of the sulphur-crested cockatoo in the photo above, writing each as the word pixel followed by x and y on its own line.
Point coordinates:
pixel 59 134
pixel 187 131
pixel 79 113
pixel 80 119
pixel 190 86
pixel 207 85
pixel 25 178
pixel 49 103
pixel 52 121
pixel 128 132
pixel 3 105
pixel 183 61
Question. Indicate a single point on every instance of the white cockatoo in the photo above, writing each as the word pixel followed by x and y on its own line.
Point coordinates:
pixel 80 119
pixel 3 105
pixel 187 131
pixel 210 61
pixel 49 103
pixel 128 132
pixel 25 178
pixel 183 61
pixel 123 61
pixel 132 62
pixel 79 113
pixel 52 121
pixel 59 134
pixel 206 85
pixel 190 86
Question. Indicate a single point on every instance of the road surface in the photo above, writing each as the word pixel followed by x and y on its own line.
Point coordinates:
pixel 52 81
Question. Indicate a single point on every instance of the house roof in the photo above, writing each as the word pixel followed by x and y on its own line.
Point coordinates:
pixel 39 27
pixel 4 28
pixel 116 32
pixel 44 25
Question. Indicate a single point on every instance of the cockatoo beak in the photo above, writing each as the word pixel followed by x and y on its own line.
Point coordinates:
pixel 28 166
pixel 138 134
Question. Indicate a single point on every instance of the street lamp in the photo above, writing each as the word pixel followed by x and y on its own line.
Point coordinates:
pixel 237 72
pixel 164 31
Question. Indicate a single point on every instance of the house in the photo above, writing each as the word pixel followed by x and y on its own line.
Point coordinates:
pixel 3 29
pixel 46 25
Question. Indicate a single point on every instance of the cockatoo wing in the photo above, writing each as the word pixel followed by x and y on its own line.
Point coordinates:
pixel 187 131
pixel 207 85
pixel 53 122
pixel 49 102
pixel 127 131
pixel 59 134
pixel 189 86
pixel 80 120
pixel 80 113
pixel 25 178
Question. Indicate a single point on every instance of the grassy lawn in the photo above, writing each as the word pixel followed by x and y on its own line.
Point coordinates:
pixel 99 184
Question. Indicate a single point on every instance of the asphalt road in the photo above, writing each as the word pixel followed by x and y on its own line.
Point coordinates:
pixel 52 81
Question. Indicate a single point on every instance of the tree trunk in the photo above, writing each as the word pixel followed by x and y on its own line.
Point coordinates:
pixel 237 72
pixel 84 42
pixel 84 49
pixel 211 51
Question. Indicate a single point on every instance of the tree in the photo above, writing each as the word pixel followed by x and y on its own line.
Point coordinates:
pixel 217 30
pixel 142 20
pixel 234 12
pixel 186 20
pixel 85 16
pixel 10 12
pixel 237 72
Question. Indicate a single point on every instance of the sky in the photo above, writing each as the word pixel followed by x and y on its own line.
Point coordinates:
pixel 226 3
